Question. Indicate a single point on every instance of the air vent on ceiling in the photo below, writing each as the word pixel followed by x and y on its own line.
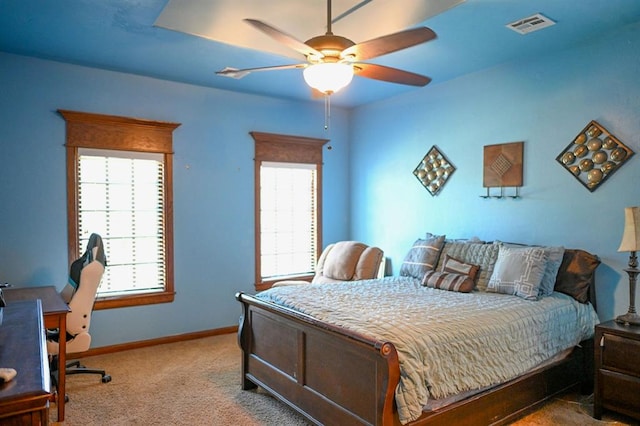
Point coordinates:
pixel 532 23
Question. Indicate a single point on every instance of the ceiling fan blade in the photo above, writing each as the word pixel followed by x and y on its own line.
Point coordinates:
pixel 393 75
pixel 284 38
pixel 239 73
pixel 389 43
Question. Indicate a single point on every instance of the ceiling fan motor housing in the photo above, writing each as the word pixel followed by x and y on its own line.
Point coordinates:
pixel 330 45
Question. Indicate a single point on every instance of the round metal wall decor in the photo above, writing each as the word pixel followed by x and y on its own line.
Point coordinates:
pixel 434 170
pixel 594 155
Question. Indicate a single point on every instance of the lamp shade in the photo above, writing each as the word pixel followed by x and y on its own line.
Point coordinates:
pixel 328 77
pixel 631 235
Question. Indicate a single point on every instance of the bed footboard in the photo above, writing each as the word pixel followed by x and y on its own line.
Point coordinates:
pixel 328 374
pixel 509 401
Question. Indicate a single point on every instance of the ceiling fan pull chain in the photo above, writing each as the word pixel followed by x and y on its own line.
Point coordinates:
pixel 327 111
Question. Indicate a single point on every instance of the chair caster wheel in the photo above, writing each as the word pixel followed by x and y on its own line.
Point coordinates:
pixel 66 399
pixel 106 379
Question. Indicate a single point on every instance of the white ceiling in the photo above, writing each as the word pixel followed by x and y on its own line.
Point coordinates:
pixel 130 36
pixel 357 20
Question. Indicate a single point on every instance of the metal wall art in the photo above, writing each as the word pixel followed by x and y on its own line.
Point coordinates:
pixel 434 170
pixel 594 155
pixel 502 167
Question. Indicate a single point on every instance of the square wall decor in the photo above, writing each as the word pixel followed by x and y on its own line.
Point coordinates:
pixel 594 155
pixel 434 170
pixel 502 166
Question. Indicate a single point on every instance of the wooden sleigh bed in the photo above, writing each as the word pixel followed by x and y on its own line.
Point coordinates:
pixel 334 376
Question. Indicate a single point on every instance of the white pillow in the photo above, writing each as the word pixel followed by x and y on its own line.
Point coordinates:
pixel 518 271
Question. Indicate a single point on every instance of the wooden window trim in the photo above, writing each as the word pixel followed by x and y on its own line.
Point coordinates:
pixel 87 130
pixel 285 149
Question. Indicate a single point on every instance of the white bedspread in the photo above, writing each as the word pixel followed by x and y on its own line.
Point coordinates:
pixel 447 342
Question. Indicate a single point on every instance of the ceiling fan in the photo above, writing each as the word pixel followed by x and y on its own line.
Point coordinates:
pixel 332 60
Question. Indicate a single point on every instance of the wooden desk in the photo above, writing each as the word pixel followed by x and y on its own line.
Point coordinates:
pixel 25 399
pixel 55 312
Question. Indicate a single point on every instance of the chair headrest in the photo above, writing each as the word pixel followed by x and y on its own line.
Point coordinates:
pixel 95 251
pixel 95 242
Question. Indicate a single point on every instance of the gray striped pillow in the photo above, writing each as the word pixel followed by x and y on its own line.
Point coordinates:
pixel 422 257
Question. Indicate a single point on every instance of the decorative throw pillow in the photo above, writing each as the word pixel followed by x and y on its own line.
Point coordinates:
pixel 576 274
pixel 484 255
pixel 472 240
pixel 422 257
pixel 554 259
pixel 451 264
pixel 518 271
pixel 448 281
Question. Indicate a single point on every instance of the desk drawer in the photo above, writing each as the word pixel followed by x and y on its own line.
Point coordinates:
pixel 621 392
pixel 621 354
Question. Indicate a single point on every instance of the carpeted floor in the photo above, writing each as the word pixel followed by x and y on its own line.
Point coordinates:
pixel 198 383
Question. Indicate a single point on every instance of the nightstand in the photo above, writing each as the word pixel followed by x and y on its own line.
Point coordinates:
pixel 617 369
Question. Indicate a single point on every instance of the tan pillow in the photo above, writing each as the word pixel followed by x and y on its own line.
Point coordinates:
pixel 448 281
pixel 341 261
pixel 451 264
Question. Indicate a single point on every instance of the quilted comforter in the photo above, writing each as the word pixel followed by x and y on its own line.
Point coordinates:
pixel 447 342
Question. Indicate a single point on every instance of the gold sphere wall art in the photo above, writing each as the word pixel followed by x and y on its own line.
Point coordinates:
pixel 594 155
pixel 434 170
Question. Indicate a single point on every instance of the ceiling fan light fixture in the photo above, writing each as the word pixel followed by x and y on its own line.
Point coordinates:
pixel 328 77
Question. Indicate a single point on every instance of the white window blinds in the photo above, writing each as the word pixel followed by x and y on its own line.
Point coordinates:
pixel 121 198
pixel 288 219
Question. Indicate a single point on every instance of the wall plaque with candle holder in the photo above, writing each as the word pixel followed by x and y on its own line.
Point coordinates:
pixel 502 168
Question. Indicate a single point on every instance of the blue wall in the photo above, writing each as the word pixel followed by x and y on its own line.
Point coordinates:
pixel 370 193
pixel 213 184
pixel 545 102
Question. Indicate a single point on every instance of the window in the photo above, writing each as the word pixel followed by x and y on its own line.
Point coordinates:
pixel 288 175
pixel 120 196
pixel 120 186
pixel 287 219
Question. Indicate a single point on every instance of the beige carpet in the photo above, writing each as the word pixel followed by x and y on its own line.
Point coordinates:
pixel 198 383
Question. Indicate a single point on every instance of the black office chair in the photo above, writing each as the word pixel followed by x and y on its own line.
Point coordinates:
pixel 84 279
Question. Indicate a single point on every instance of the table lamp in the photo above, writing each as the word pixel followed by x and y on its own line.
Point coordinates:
pixel 631 243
